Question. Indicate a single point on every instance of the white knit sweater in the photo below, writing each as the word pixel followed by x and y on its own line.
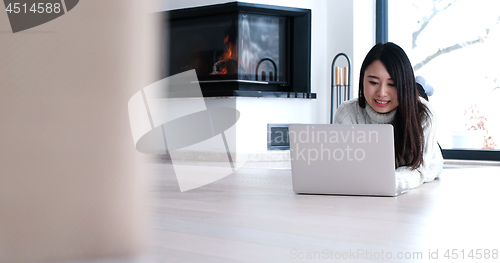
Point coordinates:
pixel 349 112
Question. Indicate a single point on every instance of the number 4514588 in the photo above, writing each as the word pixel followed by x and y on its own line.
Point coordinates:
pixel 48 8
pixel 471 254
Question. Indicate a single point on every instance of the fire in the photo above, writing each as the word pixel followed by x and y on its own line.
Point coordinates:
pixel 229 54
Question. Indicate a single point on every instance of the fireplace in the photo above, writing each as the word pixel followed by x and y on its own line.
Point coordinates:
pixel 241 49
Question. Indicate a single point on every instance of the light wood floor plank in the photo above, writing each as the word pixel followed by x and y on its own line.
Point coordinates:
pixel 258 207
pixel 254 216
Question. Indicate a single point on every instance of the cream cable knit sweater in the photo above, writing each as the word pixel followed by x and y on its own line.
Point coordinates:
pixel 349 112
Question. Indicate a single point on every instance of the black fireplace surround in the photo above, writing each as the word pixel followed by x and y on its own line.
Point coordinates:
pixel 241 49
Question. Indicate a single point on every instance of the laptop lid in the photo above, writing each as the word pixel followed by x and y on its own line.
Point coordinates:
pixel 343 159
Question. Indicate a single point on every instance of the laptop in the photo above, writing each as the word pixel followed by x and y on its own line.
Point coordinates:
pixel 343 159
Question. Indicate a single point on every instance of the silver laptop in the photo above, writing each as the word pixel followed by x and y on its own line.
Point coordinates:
pixel 343 159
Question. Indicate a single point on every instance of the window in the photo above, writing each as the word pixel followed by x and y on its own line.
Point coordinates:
pixel 454 45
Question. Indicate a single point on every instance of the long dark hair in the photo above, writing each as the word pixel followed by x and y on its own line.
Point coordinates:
pixel 411 113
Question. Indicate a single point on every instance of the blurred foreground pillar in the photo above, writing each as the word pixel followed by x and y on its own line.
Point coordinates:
pixel 71 183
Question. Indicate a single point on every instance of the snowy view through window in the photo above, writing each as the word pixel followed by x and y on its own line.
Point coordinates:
pixel 455 46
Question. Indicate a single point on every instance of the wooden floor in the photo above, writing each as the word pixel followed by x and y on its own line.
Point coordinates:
pixel 253 216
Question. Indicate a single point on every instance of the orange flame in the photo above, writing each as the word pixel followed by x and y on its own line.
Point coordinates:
pixel 228 54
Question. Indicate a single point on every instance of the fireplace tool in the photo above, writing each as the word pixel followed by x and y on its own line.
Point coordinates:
pixel 341 90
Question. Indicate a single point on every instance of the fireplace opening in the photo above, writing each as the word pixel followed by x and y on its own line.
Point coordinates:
pixel 240 49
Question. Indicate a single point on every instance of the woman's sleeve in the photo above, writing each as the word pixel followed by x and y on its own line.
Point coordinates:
pixel 432 159
pixel 343 115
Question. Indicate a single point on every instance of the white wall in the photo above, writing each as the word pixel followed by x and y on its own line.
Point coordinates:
pixel 333 31
pixel 364 35
pixel 339 32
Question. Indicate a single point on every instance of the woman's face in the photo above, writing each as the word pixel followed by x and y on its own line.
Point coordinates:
pixel 380 91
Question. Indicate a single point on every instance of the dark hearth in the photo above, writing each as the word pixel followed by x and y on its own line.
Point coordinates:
pixel 241 49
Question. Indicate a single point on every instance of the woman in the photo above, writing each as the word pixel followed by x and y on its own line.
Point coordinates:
pixel 388 95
